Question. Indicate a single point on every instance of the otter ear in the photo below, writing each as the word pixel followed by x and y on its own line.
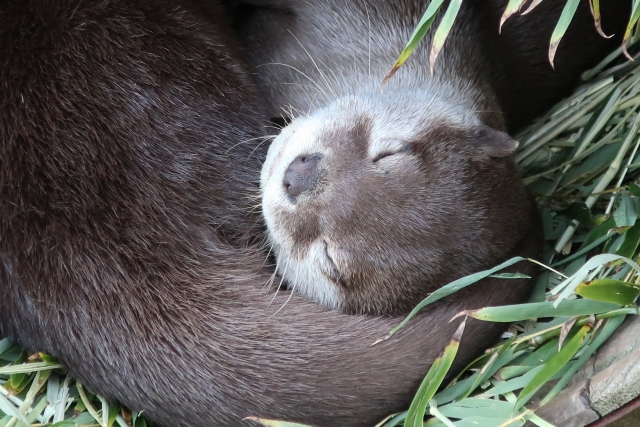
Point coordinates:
pixel 488 142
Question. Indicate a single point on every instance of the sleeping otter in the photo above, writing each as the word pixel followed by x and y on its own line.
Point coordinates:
pixel 130 248
pixel 373 200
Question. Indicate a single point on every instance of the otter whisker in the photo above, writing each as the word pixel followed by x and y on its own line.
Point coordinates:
pixel 315 65
pixel 256 147
pixel 281 282
pixel 293 289
pixel 249 140
pixel 300 72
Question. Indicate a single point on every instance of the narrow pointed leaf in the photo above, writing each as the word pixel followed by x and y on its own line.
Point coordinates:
pixel 554 364
pixel 275 423
pixel 443 31
pixel 634 189
pixel 9 409
pixel 631 241
pixel 452 287
pixel 515 313
pixel 532 6
pixel 635 15
pixel 594 5
pixel 561 27
pixel 433 380
pixel 512 7
pixel 510 276
pixel 605 333
pixel 418 34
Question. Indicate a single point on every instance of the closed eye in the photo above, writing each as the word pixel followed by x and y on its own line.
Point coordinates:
pixel 404 150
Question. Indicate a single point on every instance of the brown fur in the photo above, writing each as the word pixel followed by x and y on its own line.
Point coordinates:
pixel 126 239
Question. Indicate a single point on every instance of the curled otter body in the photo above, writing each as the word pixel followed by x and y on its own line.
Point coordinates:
pixel 128 247
pixel 411 188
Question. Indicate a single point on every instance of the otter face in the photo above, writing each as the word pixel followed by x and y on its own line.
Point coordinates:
pixel 371 204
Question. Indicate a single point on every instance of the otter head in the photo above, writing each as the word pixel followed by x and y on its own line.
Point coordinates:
pixel 371 205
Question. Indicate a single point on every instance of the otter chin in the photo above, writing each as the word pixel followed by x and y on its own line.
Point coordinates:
pixel 369 213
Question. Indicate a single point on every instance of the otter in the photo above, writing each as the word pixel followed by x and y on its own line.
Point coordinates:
pixel 130 246
pixel 373 200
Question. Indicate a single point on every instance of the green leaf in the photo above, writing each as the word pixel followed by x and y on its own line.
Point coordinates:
pixel 561 27
pixel 9 408
pixel 515 313
pixel 634 189
pixel 631 241
pixel 432 380
pixel 443 31
pixel 595 12
pixel 625 215
pixel 474 407
pixel 635 15
pixel 512 7
pixel 114 410
pixel 17 382
pixel 452 287
pixel 555 363
pixel 48 359
pixel 609 290
pixel 510 276
pixel 272 423
pixel 64 424
pixel 418 34
pixel 599 232
pixel 609 328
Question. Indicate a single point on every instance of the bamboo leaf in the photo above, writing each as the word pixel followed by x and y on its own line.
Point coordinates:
pixel 631 241
pixel 634 189
pixel 450 288
pixel 432 380
pixel 443 31
pixel 9 408
pixel 594 5
pixel 599 232
pixel 605 333
pixel 532 6
pixel 510 276
pixel 554 364
pixel 515 313
pixel 565 288
pixel 564 332
pixel 512 7
pixel 475 407
pixel 635 15
pixel 625 215
pixel 418 34
pixel 609 290
pixel 561 27
pixel 274 423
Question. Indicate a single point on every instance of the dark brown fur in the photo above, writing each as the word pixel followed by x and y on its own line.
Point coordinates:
pixel 126 242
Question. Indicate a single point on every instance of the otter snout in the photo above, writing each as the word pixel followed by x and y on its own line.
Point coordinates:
pixel 302 174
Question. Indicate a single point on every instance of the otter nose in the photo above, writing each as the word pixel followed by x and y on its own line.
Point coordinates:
pixel 302 174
